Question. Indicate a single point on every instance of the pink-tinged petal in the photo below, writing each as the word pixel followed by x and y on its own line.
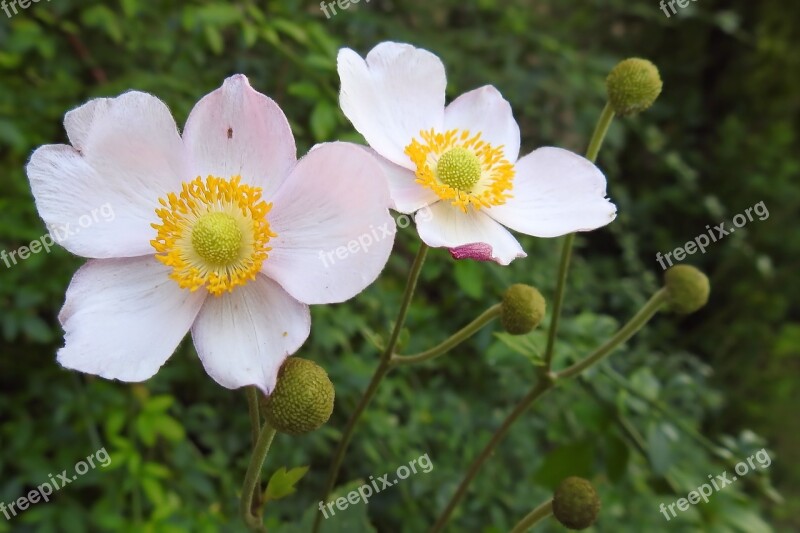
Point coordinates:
pixel 237 131
pixel 555 192
pixel 127 153
pixel 407 196
pixel 334 229
pixel 392 96
pixel 485 111
pixel 477 251
pixel 445 225
pixel 242 337
pixel 123 318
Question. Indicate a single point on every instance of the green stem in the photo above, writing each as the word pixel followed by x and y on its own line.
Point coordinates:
pixel 377 377
pixel 541 387
pixel 599 135
pixel 457 338
pixel 255 420
pixel 534 517
pixel 251 514
pixel 600 131
pixel 653 305
pixel 548 381
pixel 546 378
pixel 558 300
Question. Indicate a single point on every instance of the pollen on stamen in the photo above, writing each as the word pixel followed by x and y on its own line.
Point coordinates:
pixel 213 233
pixel 462 168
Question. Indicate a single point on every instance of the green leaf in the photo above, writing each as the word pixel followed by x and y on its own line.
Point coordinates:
pixel 470 276
pixel 662 441
pixel 282 483
pixel 617 455
pixel 353 518
pixel 159 404
pixel 571 460
pixel 524 345
pixel 323 120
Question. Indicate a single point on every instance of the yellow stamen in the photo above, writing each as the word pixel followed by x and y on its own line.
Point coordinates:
pixel 461 168
pixel 213 234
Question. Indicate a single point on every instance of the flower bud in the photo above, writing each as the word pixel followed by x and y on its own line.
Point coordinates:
pixel 522 309
pixel 687 289
pixel 633 86
pixel 302 400
pixel 575 503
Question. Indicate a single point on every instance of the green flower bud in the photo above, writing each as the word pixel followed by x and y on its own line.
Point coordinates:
pixel 575 503
pixel 302 400
pixel 633 86
pixel 522 309
pixel 687 289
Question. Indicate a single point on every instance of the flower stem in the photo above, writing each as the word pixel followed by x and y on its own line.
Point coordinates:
pixel 546 382
pixel 377 377
pixel 541 387
pixel 546 378
pixel 255 419
pixel 599 135
pixel 457 338
pixel 534 517
pixel 558 300
pixel 653 305
pixel 600 131
pixel 251 512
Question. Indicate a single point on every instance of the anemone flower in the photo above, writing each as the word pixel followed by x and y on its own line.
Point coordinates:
pixel 218 231
pixel 461 161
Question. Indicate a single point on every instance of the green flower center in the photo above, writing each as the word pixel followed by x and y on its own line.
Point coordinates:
pixel 459 168
pixel 217 238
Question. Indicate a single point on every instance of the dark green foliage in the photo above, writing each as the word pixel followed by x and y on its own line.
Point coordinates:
pixel 721 138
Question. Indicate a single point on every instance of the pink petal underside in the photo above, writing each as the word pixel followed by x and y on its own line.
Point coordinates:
pixel 477 251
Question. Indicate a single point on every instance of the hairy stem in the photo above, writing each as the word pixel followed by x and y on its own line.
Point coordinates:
pixel 377 377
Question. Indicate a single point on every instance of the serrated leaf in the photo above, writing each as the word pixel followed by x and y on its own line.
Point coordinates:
pixel 282 483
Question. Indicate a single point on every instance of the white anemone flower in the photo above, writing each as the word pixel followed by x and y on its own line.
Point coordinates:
pixel 460 162
pixel 219 231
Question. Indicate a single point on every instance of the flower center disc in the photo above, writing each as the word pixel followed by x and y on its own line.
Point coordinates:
pixel 461 168
pixel 216 238
pixel 213 234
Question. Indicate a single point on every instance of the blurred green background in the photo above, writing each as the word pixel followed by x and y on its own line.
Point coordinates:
pixel 722 138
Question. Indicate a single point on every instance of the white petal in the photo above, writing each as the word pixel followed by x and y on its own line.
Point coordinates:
pixel 78 122
pixel 237 131
pixel 242 337
pixel 123 318
pixel 406 194
pixel 392 96
pixel 485 111
pixel 127 153
pixel 555 192
pixel 334 229
pixel 448 226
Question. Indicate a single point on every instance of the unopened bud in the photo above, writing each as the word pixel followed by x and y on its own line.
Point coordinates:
pixel 522 309
pixel 575 503
pixel 687 289
pixel 302 400
pixel 633 86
